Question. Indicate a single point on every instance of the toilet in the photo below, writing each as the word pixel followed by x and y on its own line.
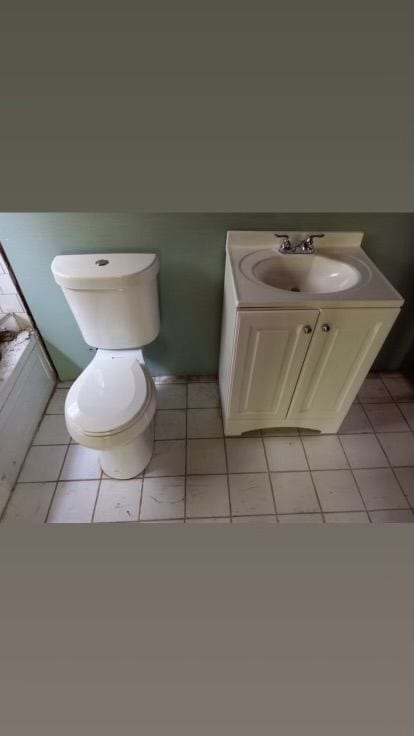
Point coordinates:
pixel 111 405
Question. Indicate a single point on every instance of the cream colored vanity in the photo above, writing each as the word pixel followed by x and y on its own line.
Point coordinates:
pixel 299 331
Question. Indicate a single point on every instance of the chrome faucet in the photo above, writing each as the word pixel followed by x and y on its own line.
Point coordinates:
pixel 305 246
pixel 286 246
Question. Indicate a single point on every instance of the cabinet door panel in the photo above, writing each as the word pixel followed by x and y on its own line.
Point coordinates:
pixel 338 360
pixel 270 349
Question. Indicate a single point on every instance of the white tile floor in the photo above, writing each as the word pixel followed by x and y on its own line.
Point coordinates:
pixel 364 474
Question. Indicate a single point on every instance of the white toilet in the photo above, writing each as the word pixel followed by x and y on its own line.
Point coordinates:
pixel 111 406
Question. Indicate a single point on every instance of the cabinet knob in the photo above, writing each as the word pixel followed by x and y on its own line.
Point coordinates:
pixel 325 328
pixel 307 329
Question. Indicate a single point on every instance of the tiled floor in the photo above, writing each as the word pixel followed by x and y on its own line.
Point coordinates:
pixel 363 474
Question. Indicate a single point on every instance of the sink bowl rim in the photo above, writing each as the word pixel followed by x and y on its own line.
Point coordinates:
pixel 251 260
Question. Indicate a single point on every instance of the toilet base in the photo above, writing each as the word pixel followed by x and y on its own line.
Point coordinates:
pixel 127 461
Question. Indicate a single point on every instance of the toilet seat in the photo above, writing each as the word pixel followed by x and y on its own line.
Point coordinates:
pixel 109 396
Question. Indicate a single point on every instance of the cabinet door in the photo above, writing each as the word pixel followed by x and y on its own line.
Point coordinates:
pixel 344 345
pixel 269 351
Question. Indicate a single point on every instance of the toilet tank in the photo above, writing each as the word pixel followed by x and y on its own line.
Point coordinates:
pixel 113 297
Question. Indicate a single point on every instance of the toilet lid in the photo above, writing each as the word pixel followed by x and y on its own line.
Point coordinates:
pixel 108 395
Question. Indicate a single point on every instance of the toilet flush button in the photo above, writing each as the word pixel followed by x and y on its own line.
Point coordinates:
pixel 102 262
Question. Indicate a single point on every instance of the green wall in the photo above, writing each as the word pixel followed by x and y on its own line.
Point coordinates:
pixel 191 251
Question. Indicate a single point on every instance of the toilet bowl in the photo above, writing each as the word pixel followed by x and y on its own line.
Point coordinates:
pixel 111 405
pixel 111 408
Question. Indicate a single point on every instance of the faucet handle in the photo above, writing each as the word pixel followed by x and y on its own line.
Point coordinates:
pixel 306 245
pixel 309 239
pixel 286 244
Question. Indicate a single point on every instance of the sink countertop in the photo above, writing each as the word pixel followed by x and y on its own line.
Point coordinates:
pixel 374 290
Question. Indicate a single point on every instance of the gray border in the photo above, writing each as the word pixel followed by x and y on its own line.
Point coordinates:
pixel 207 109
pixel 199 630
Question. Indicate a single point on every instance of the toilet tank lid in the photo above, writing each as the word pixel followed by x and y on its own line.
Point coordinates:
pixel 104 270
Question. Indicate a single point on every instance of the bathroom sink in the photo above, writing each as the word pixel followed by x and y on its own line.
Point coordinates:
pixel 338 273
pixel 311 274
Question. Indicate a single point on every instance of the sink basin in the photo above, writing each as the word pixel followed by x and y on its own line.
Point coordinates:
pixel 311 274
pixel 338 274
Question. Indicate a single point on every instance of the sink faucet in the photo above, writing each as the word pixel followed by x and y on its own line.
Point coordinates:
pixel 306 246
pixel 286 246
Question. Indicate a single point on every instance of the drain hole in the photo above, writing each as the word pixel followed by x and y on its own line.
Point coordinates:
pixel 294 288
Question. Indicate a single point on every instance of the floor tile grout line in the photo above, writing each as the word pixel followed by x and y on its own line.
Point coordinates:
pixel 353 475
pixel 40 422
pixel 140 477
pixel 205 518
pixel 96 498
pixel 17 479
pixel 272 490
pixel 247 472
pixel 390 431
pixel 180 519
pixel 65 480
pixel 143 475
pixel 376 511
pixel 158 519
pixel 141 497
pixel 265 436
pixel 377 467
pixel 372 430
pixel 200 408
pixel 49 444
pixel 226 460
pixel 282 513
pixel 304 513
pixel 381 431
pixel 319 513
pixel 380 375
pixel 410 506
pixel 25 458
pixel 48 413
pixel 368 420
pixel 385 451
pixel 57 483
pixel 405 403
pixel 312 479
pixel 185 378
pixel 227 467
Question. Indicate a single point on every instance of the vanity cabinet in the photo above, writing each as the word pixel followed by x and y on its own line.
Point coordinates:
pixel 296 367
